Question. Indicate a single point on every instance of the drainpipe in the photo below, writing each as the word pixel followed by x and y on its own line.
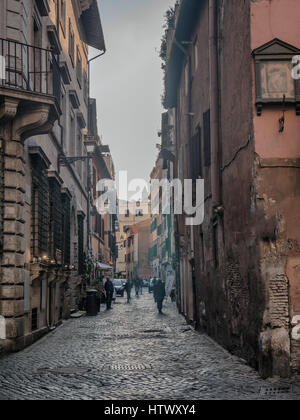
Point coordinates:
pixel 214 104
pixel 89 229
pixel 192 244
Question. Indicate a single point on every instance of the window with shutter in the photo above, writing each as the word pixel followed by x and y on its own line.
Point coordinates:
pixel 71 43
pixel 195 156
pixel 63 15
pixel 102 228
pixel 79 67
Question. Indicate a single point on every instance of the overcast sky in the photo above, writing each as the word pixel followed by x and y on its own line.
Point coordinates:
pixel 127 82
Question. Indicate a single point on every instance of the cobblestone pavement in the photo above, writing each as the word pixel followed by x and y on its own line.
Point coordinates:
pixel 132 353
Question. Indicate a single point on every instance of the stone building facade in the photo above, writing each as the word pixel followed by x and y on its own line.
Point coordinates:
pixel 229 81
pixel 43 121
pixel 162 253
pixel 130 213
pixel 138 242
pixel 103 240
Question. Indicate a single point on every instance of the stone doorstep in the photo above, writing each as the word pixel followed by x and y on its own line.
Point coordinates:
pixel 78 314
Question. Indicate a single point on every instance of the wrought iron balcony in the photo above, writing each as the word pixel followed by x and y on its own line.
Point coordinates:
pixel 29 68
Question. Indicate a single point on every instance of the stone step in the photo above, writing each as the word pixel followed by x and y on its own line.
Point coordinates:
pixel 78 314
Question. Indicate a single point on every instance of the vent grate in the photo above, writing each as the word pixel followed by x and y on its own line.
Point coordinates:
pixel 130 367
pixel 275 390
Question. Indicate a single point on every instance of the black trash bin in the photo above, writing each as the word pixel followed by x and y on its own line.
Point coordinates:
pixel 91 303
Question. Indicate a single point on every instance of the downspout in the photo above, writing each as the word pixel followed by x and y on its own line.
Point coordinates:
pixel 189 131
pixel 89 183
pixel 192 244
pixel 214 104
pixel 58 63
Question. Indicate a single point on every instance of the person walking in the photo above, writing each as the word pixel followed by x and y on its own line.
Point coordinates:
pixel 154 288
pixel 141 285
pixel 137 286
pixel 160 293
pixel 128 287
pixel 109 289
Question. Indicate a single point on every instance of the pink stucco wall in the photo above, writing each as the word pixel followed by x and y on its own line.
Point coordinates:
pixel 275 19
pixel 279 185
pixel 269 143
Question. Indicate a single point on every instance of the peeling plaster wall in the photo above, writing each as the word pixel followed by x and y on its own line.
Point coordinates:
pixel 238 277
pixel 250 303
pixel 277 188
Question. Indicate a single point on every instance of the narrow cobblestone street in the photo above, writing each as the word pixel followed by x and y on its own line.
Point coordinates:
pixel 133 353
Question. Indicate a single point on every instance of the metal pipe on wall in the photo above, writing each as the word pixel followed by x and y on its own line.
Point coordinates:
pixel 214 104
pixel 89 164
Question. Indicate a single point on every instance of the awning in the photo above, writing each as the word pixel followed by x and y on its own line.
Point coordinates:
pixel 104 266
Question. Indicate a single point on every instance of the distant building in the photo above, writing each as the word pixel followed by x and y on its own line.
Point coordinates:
pixel 102 226
pixel 163 254
pixel 138 242
pixel 130 213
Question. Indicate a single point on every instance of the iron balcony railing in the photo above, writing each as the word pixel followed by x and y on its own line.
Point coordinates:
pixel 29 68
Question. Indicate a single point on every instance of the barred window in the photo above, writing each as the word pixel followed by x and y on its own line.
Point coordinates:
pixel 80 244
pixel 34 319
pixel 66 228
pixel 56 211
pixel 40 208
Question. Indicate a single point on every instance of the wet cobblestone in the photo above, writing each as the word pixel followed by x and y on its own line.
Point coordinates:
pixel 133 353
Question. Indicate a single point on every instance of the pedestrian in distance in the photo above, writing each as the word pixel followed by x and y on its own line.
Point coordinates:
pixel 109 289
pixel 128 287
pixel 173 295
pixel 154 288
pixel 160 293
pixel 137 286
pixel 141 285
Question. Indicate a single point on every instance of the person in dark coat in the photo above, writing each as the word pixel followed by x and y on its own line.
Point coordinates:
pixel 128 287
pixel 109 289
pixel 154 288
pixel 160 293
pixel 141 285
pixel 137 286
